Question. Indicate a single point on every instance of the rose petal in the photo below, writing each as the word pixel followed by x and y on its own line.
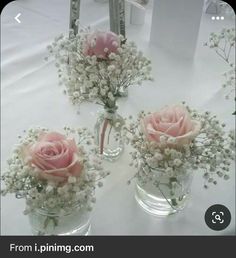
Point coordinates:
pixel 173 129
pixel 74 169
pixel 172 121
pixel 186 125
pixel 98 41
pixel 51 137
pixel 55 157
pixel 41 162
pixel 163 127
pixel 45 161
pixel 188 137
pixel 61 160
pixel 72 145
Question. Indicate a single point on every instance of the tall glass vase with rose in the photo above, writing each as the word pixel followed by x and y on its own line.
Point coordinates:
pixel 57 177
pixel 169 145
pixel 101 66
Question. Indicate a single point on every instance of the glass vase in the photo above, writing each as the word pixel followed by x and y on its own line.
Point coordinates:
pixel 108 134
pixel 49 222
pixel 163 194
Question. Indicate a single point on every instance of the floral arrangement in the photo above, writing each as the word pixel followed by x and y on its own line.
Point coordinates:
pixel 98 66
pixel 54 172
pixel 223 43
pixel 176 139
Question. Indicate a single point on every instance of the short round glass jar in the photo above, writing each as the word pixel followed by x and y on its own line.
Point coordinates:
pixel 162 194
pixel 108 134
pixel 49 222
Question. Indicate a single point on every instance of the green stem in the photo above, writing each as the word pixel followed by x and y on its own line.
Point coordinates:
pixel 47 221
pixel 174 208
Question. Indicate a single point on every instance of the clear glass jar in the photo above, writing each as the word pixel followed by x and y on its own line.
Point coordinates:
pixel 164 194
pixel 74 222
pixel 108 134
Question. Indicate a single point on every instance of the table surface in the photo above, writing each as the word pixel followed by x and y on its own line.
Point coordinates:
pixel 31 96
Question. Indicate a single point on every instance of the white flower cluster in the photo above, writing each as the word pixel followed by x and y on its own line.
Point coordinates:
pixel 211 151
pixel 89 78
pixel 223 44
pixel 230 82
pixel 20 178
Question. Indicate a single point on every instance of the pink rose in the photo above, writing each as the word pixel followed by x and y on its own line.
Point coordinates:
pixel 55 156
pixel 173 123
pixel 101 44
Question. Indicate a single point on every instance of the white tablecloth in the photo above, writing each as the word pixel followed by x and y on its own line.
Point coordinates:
pixel 31 96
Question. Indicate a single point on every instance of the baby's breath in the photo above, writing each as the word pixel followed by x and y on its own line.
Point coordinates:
pixel 90 78
pixel 21 178
pixel 211 151
pixel 223 44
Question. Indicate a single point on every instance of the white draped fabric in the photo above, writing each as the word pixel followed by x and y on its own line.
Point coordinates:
pixel 31 96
